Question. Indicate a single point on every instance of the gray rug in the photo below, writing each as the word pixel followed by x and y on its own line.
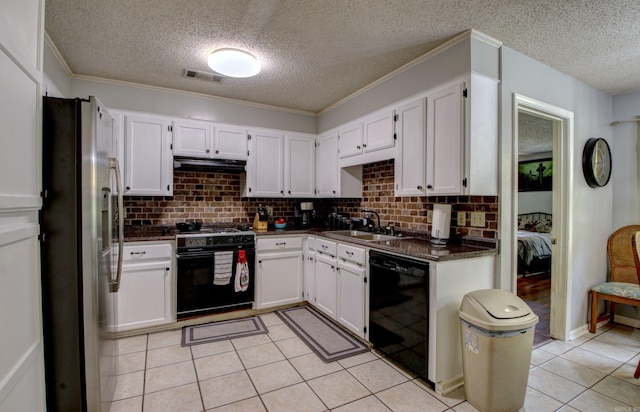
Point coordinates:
pixel 327 340
pixel 228 329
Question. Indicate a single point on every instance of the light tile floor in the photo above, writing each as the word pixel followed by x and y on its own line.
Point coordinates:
pixel 278 372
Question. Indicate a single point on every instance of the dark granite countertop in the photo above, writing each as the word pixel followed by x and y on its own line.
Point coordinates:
pixel 418 245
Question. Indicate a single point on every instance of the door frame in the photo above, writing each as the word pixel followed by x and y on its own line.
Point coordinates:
pixel 561 231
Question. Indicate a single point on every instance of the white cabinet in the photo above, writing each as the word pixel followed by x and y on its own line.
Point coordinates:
pixel 209 140
pixel 350 139
pixel 299 165
pixel 445 138
pixel 331 179
pixel 326 278
pixel 351 288
pixel 266 164
pixel 378 131
pixel 279 165
pixel 279 269
pixel 309 291
pixel 146 296
pixel 410 165
pixel 148 162
pixel 230 142
pixel 192 138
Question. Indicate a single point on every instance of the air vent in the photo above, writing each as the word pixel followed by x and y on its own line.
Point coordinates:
pixel 209 77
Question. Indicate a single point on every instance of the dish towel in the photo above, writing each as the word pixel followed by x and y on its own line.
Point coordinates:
pixel 222 267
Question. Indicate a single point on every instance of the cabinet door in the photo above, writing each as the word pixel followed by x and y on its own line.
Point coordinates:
pixel 145 297
pixel 267 165
pixel 192 139
pixel 299 171
pixel 148 167
pixel 350 140
pixel 230 142
pixel 327 166
pixel 326 285
pixel 310 277
pixel 278 279
pixel 378 132
pixel 351 297
pixel 445 149
pixel 410 173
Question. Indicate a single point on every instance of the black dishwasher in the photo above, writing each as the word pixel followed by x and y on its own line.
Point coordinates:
pixel 398 309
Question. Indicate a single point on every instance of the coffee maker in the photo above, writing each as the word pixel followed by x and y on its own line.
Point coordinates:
pixel 304 215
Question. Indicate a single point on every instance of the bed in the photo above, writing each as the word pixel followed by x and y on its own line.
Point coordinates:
pixel 534 243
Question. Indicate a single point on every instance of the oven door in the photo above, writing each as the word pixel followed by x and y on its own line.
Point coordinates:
pixel 196 292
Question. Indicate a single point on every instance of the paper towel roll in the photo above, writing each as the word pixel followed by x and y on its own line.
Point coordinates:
pixel 441 222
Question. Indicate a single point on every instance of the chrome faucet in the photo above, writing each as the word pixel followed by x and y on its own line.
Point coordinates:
pixel 375 213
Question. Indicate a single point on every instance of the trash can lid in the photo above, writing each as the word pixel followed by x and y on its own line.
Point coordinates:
pixel 496 309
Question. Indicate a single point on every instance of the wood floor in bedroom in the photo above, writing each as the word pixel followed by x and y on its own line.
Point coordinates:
pixel 536 291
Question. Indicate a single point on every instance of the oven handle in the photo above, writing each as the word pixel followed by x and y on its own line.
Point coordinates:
pixel 189 255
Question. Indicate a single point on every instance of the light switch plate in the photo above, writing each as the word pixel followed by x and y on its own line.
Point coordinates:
pixel 462 218
pixel 429 216
pixel 477 219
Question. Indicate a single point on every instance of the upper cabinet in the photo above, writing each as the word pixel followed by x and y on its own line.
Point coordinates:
pixel 148 163
pixel 367 140
pixel 410 165
pixel 209 140
pixel 192 138
pixel 331 179
pixel 280 165
pixel 448 140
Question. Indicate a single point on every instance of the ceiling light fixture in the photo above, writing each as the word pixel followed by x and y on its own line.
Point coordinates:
pixel 234 63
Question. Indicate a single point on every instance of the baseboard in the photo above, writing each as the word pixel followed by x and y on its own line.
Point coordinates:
pixel 625 320
pixel 449 385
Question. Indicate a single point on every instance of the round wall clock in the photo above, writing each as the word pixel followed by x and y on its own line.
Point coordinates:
pixel 596 162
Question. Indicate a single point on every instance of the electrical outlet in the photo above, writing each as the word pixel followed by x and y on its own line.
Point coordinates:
pixel 477 219
pixel 462 218
pixel 429 216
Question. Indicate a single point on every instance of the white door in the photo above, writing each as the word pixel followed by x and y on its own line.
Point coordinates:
pixel 327 166
pixel 350 140
pixel 326 286
pixel 279 279
pixel 300 166
pixel 445 149
pixel 378 131
pixel 144 298
pixel 268 165
pixel 192 139
pixel 410 171
pixel 230 142
pixel 351 297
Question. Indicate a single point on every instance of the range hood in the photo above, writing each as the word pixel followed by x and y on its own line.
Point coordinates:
pixel 209 165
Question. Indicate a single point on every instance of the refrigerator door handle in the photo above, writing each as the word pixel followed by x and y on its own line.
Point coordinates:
pixel 114 286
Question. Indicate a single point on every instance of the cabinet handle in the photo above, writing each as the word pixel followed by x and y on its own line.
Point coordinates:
pixel 289 192
pixel 332 267
pixel 217 151
pixel 325 247
pixel 334 192
pixel 429 187
pixel 358 147
pixel 282 192
pixel 281 244
pixel 348 253
pixel 364 145
pixel 419 187
pixel 128 187
pixel 260 261
pixel 207 151
pixel 168 188
pixel 167 269
pixel 138 253
pixel 249 190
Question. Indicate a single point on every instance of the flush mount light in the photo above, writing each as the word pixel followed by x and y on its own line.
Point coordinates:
pixel 234 63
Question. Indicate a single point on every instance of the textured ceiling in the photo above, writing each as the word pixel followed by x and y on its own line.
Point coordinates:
pixel 317 52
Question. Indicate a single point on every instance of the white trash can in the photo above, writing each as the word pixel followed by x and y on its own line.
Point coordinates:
pixel 496 329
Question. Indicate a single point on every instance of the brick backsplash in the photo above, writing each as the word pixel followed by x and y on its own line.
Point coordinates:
pixel 213 197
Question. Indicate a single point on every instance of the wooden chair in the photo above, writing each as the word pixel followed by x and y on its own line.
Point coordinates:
pixel 635 241
pixel 622 286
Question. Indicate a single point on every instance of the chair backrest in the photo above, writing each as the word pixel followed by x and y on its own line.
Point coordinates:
pixel 635 242
pixel 621 255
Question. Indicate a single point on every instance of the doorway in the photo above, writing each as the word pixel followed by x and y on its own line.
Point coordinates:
pixel 546 138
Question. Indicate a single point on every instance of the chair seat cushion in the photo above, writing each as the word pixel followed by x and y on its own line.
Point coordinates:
pixel 627 290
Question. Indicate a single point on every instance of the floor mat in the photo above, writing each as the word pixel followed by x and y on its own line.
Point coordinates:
pixel 216 331
pixel 325 339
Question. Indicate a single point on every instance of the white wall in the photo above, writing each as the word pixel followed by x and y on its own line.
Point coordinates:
pixel 532 202
pixel 591 209
pixel 21 357
pixel 624 179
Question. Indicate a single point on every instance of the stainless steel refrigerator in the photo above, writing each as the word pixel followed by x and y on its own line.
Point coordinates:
pixel 80 228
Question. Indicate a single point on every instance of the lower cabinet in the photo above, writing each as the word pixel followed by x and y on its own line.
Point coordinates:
pixel 309 285
pixel 326 285
pixel 146 295
pixel 352 274
pixel 278 271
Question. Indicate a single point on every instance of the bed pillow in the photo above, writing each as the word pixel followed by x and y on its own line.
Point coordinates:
pixel 544 226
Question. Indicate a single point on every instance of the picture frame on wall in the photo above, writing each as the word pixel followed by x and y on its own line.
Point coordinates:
pixel 535 175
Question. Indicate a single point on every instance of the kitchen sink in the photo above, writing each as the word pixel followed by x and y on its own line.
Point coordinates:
pixel 366 236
